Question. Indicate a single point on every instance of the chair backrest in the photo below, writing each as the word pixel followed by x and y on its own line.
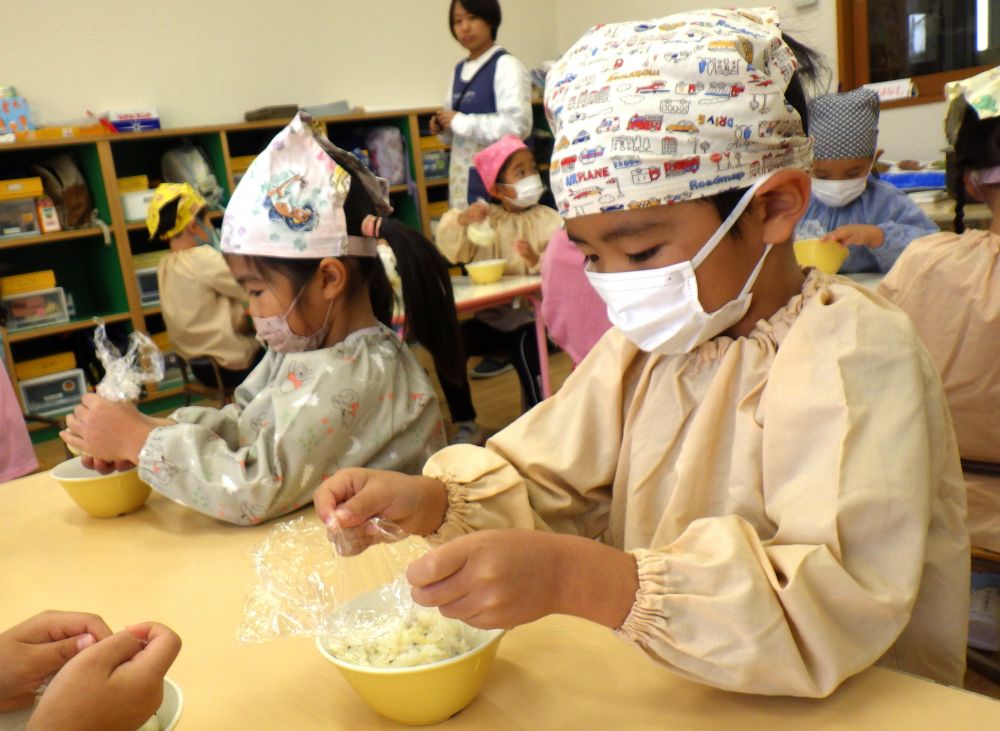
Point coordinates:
pixel 194 387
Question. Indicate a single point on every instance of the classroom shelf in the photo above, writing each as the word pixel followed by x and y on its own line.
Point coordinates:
pixel 63 327
pixel 101 276
pixel 14 242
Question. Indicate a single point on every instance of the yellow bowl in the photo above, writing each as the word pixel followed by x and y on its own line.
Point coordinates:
pixel 103 496
pixel 421 695
pixel 486 271
pixel 827 256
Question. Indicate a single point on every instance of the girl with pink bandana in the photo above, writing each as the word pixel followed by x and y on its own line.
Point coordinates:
pixel 337 387
pixel 752 477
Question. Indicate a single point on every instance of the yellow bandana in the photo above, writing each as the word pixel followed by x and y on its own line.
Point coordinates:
pixel 188 204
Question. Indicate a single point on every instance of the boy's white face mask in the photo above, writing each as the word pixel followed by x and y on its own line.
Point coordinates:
pixel 527 191
pixel 838 193
pixel 659 309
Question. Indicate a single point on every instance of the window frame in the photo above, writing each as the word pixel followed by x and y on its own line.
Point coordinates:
pixel 852 59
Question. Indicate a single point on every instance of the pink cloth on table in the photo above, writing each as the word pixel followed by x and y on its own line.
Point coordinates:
pixel 16 455
pixel 575 315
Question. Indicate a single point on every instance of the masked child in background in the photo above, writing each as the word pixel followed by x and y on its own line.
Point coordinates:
pixel 949 285
pixel 874 219
pixel 518 229
pixel 752 476
pixel 337 387
pixel 203 307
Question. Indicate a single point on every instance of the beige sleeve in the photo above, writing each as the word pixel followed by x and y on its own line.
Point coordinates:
pixel 213 273
pixel 551 469
pixel 856 444
pixel 451 239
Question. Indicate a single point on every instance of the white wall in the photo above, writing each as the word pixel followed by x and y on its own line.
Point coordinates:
pixel 915 132
pixel 208 61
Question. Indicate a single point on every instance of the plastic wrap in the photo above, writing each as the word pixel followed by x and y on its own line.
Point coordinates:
pixel 125 374
pixel 353 594
pixel 809 229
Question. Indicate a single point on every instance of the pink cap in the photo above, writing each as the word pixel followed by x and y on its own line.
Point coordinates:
pixel 489 160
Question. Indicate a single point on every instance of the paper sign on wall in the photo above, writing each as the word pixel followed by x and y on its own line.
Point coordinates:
pixel 893 90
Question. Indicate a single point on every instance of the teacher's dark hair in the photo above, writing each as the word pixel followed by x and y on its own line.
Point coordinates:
pixel 488 10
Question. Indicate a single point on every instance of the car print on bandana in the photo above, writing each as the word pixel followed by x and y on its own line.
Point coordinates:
pixel 671 109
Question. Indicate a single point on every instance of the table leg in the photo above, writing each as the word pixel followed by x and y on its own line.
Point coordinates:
pixel 542 338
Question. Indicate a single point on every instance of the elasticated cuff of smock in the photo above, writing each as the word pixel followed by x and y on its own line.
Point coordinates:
pixel 458 517
pixel 648 617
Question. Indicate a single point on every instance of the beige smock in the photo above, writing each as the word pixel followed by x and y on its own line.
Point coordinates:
pixel 793 498
pixel 949 285
pixel 535 225
pixel 297 419
pixel 203 308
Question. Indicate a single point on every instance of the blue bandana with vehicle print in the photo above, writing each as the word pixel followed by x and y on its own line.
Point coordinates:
pixel 672 109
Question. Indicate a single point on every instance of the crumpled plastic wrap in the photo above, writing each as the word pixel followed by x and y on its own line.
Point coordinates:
pixel 353 594
pixel 305 572
pixel 809 229
pixel 125 374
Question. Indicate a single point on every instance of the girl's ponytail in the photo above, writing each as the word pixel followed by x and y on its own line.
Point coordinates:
pixel 428 298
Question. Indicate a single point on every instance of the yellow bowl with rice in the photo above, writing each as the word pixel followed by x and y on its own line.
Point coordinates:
pixel 421 694
pixel 486 271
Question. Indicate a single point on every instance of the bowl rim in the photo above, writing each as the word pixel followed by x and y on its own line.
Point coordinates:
pixel 78 460
pixel 168 683
pixel 485 262
pixel 495 636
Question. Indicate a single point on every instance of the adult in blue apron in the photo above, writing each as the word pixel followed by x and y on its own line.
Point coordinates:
pixel 489 97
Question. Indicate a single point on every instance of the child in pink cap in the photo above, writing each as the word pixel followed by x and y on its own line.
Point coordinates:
pixel 512 227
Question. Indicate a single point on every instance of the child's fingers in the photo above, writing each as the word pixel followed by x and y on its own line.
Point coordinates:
pixel 335 490
pixel 437 565
pixel 162 646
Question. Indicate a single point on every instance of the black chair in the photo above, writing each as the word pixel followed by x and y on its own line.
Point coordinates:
pixel 193 387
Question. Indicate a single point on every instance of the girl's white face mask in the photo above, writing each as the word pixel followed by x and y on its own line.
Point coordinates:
pixel 838 193
pixel 527 190
pixel 277 335
pixel 659 309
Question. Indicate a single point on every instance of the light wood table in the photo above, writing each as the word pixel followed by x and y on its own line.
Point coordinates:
pixel 168 563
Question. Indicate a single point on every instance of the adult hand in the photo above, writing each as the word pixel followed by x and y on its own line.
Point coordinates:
pixel 352 496
pixel 435 124
pixel 109 431
pixel 524 250
pixel 115 685
pixel 502 578
pixel 476 213
pixel 444 118
pixel 858 234
pixel 34 650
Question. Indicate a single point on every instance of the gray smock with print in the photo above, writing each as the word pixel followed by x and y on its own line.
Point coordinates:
pixel 297 419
